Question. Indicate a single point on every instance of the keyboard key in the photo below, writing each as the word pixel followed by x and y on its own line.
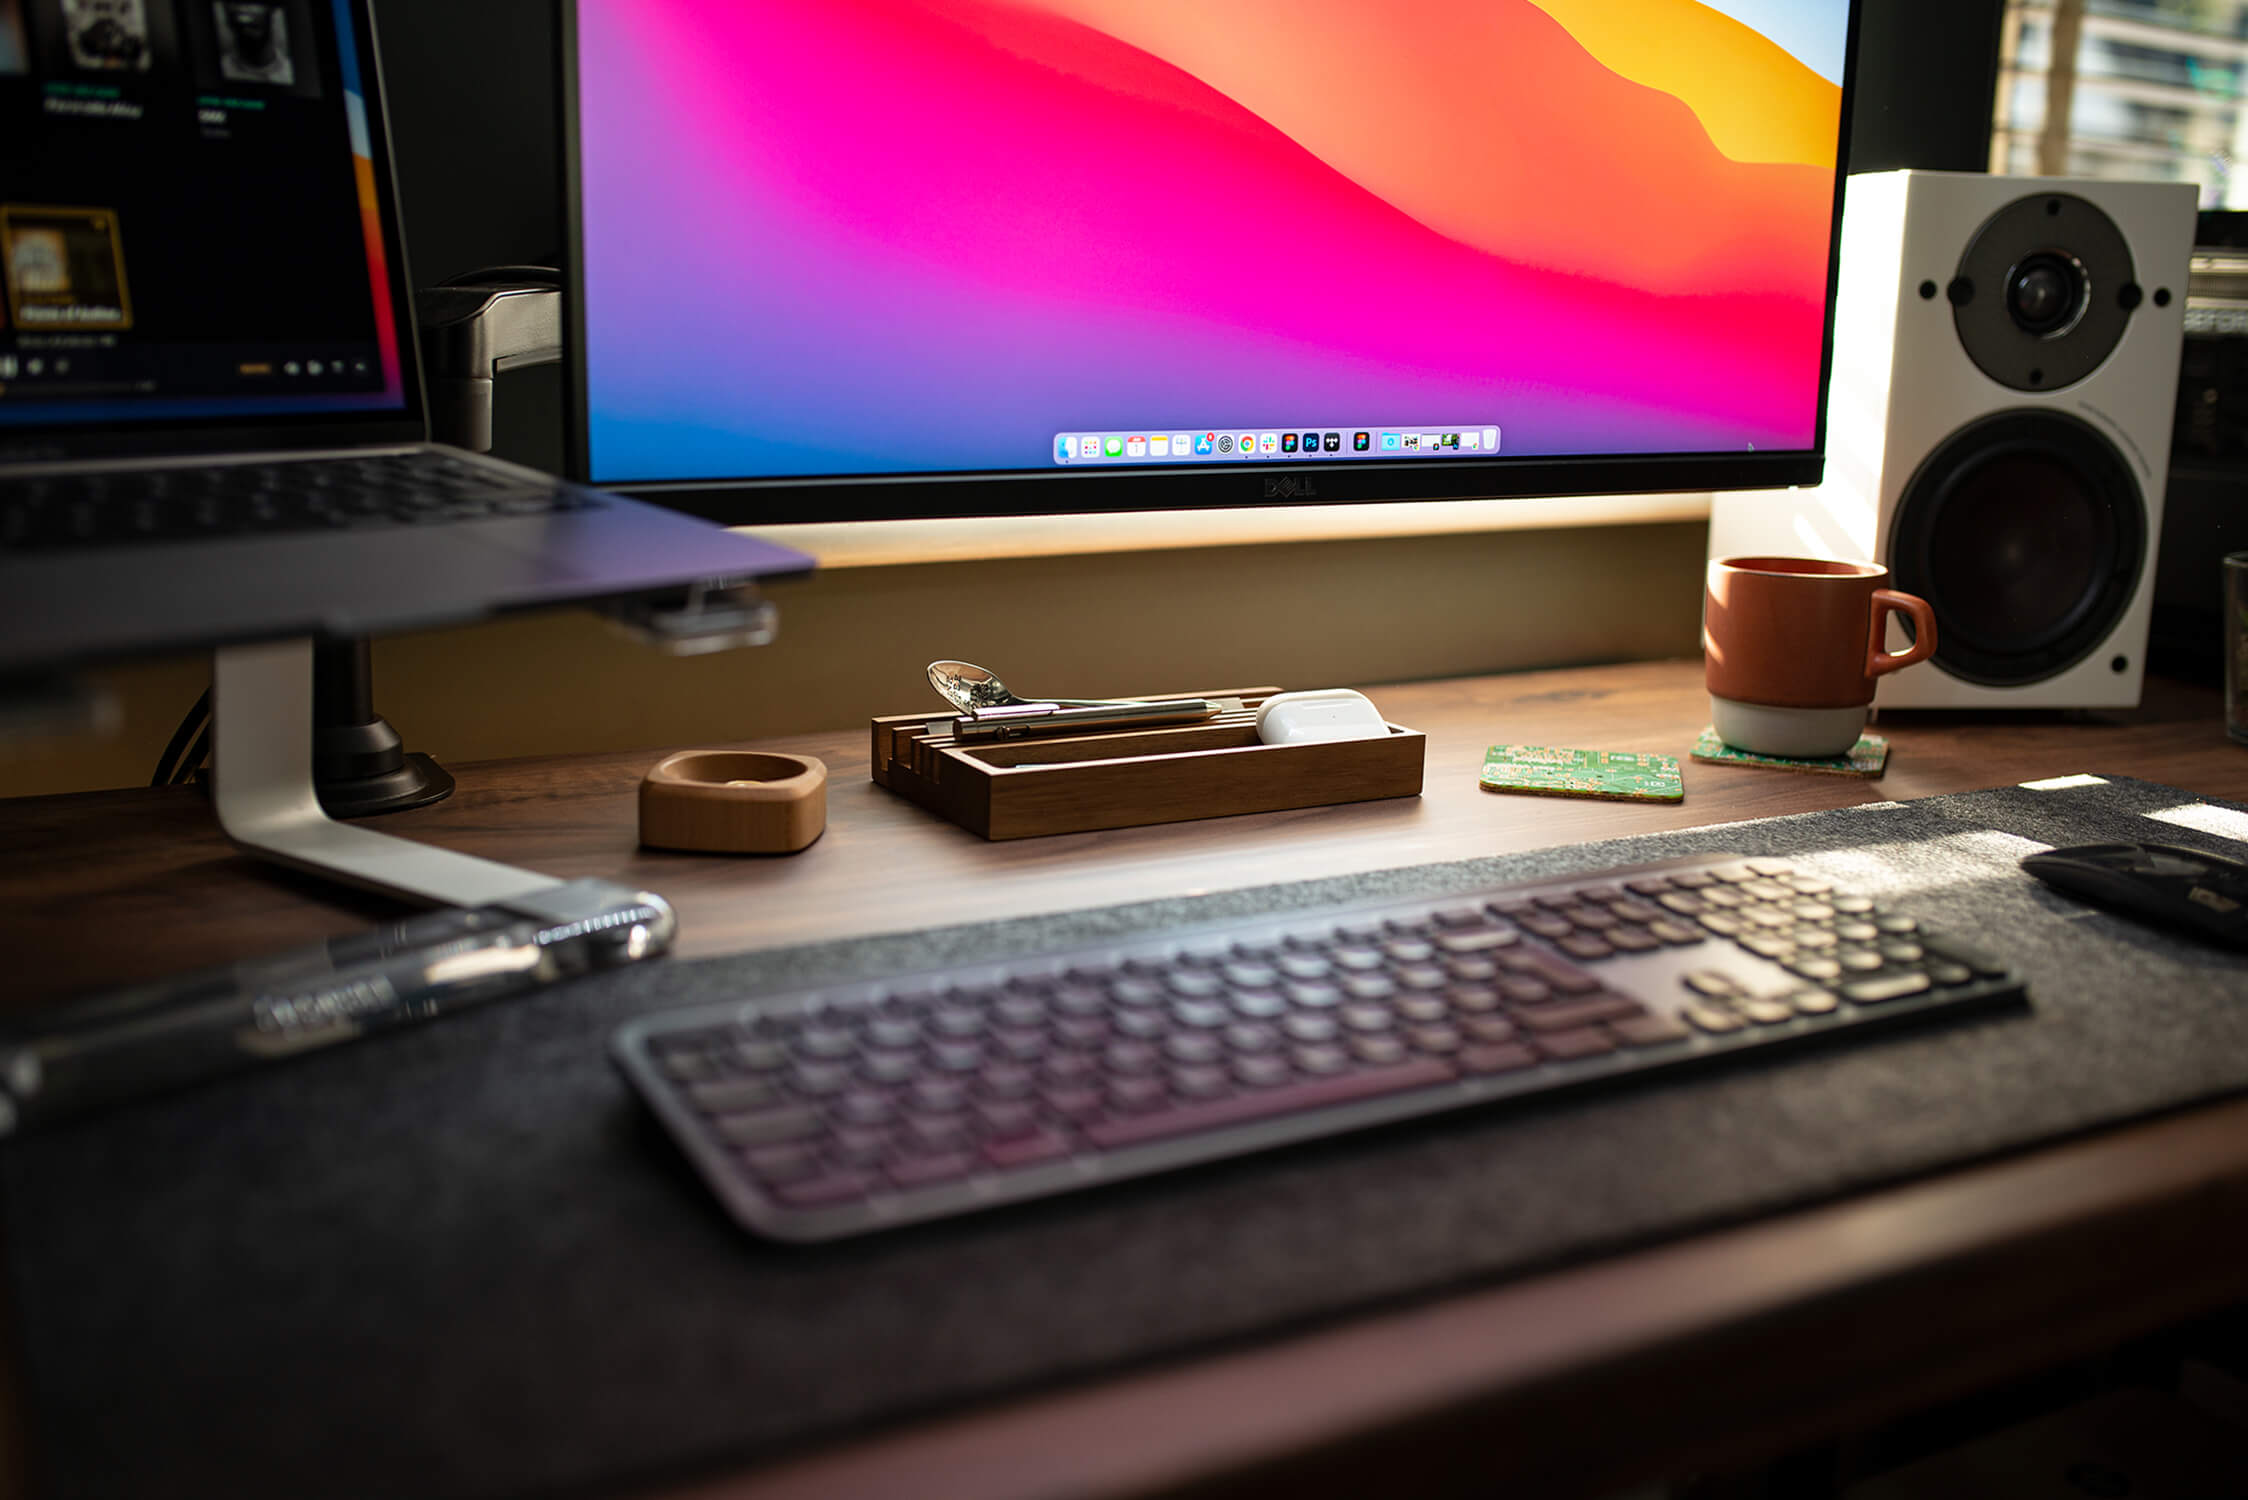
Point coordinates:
pixel 1567 1046
pixel 864 1109
pixel 1136 1095
pixel 788 1163
pixel 1024 1150
pixel 1482 940
pixel 765 1127
pixel 1489 1028
pixel 1200 1082
pixel 1251 1037
pixel 1194 1047
pixel 1498 1057
pixel 1648 1030
pixel 687 1066
pixel 1378 1049
pixel 1263 1103
pixel 938 1095
pixel 1262 1072
pixel 1259 1005
pixel 1438 1038
pixel 1630 939
pixel 1885 987
pixel 1565 1015
pixel 1711 1019
pixel 1005 1119
pixel 936 1132
pixel 1073 1103
pixel 819 1192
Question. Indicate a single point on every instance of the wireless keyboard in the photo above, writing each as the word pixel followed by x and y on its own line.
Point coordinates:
pixel 858 1106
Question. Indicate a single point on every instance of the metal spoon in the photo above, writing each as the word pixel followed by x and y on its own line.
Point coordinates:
pixel 971 688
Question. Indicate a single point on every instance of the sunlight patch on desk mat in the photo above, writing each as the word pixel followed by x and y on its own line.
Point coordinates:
pixel 456 1262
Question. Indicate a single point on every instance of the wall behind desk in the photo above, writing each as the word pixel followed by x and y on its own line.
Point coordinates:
pixel 854 641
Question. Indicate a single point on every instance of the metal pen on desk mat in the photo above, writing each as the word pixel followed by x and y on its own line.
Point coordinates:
pixel 128 1043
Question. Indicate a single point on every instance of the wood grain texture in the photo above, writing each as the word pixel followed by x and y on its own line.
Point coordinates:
pixel 1720 1348
pixel 104 888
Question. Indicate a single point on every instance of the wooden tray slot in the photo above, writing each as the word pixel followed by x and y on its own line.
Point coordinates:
pixel 1122 744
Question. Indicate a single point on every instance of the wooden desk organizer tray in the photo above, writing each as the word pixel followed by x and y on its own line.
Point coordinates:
pixel 1021 788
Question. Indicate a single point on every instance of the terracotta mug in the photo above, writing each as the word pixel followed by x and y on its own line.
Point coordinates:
pixel 1791 647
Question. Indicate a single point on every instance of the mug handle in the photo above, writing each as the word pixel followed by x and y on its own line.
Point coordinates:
pixel 1879 661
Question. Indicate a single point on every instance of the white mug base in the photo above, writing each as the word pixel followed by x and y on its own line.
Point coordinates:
pixel 1797 733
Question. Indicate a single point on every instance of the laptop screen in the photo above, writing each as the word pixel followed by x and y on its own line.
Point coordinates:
pixel 190 220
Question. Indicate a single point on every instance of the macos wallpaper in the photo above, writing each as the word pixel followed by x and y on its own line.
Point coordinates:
pixel 831 237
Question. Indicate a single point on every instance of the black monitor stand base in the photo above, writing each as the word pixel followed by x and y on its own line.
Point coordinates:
pixel 360 766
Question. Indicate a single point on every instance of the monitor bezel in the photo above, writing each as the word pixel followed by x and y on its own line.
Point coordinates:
pixel 1019 492
pixel 405 423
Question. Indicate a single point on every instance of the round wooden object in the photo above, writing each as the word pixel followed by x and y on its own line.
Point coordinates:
pixel 733 802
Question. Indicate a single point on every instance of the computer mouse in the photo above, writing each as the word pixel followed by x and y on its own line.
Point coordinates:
pixel 2204 894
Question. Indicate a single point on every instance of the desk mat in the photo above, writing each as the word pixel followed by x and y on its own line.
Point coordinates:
pixel 457 1261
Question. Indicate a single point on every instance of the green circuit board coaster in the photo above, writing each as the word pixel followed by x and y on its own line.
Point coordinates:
pixel 1617 775
pixel 1868 757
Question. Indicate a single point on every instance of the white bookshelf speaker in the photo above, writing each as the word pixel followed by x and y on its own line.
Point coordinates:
pixel 1998 427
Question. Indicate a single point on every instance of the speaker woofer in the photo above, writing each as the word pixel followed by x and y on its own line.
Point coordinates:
pixel 2025 532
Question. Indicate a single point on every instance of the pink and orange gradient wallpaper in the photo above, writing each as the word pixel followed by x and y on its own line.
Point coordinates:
pixel 867 236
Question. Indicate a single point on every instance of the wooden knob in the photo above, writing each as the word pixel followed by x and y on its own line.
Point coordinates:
pixel 733 802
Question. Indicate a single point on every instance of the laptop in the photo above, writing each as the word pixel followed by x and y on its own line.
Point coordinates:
pixel 212 427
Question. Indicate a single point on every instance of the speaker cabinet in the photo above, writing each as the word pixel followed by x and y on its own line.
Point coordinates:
pixel 1998 426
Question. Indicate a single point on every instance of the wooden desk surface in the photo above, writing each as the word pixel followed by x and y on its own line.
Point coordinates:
pixel 1719 1348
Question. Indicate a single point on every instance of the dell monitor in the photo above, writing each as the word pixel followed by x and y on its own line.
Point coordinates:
pixel 905 258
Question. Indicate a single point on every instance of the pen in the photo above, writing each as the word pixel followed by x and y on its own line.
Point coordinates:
pixel 127 1043
pixel 1014 719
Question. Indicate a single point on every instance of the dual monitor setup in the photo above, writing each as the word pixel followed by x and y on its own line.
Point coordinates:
pixel 894 260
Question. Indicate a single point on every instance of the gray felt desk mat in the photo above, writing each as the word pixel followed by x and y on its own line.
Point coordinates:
pixel 458 1261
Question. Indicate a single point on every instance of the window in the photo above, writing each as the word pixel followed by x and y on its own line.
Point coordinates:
pixel 2148 89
